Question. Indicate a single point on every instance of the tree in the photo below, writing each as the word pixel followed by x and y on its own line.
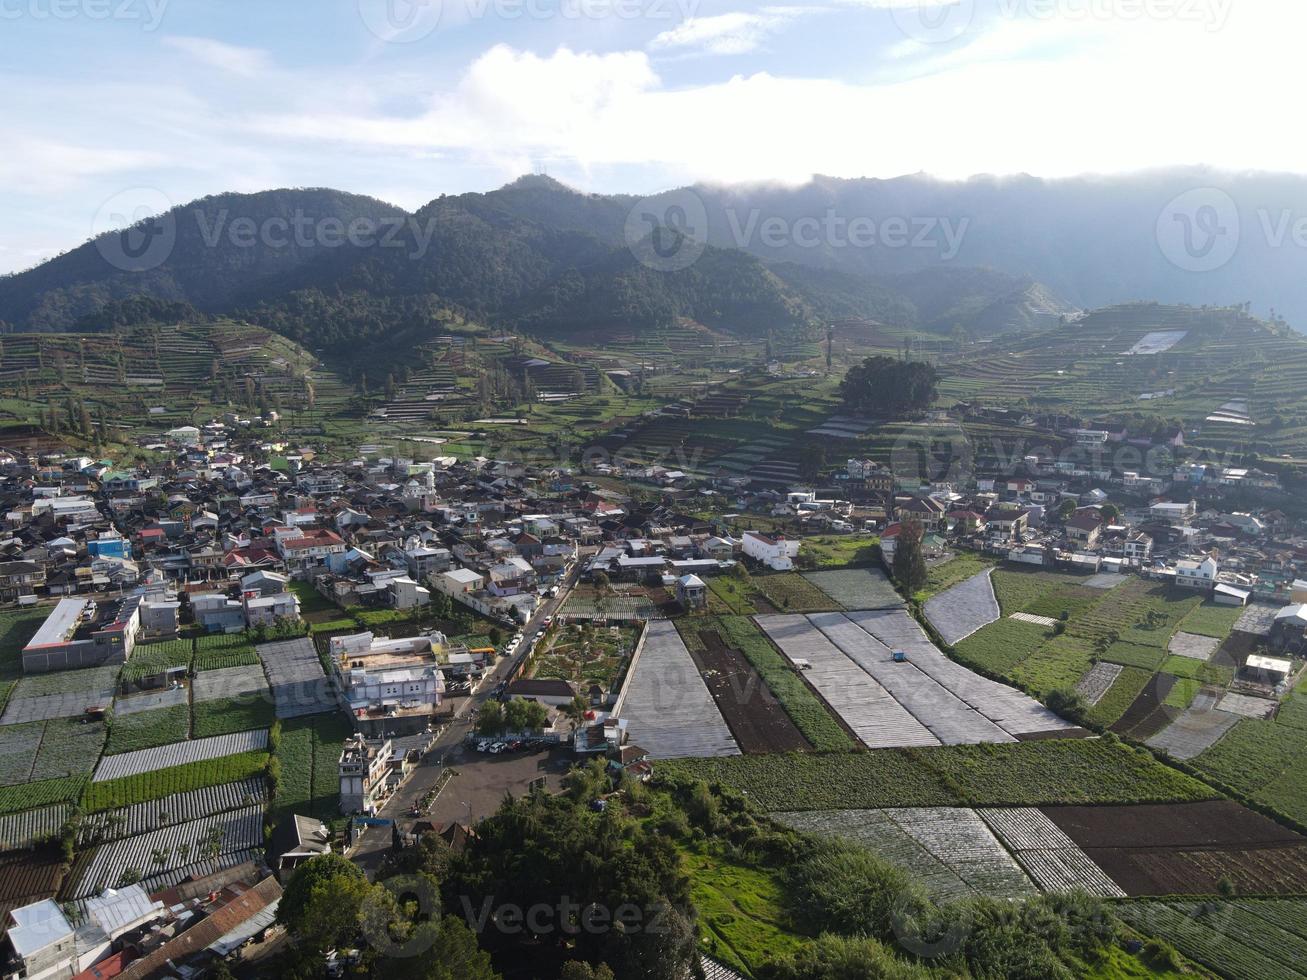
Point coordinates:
pixel 601 581
pixel 888 386
pixel 490 718
pixel 322 902
pixel 574 711
pixel 909 560
pixel 812 460
pixel 578 970
pixel 553 852
pixel 1110 512
pixel 1066 508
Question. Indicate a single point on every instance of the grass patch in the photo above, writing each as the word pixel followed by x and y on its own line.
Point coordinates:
pixel 1183 692
pixel 1128 685
pixel 1211 619
pixel 728 594
pixel 838 550
pixel 1039 773
pixel 1134 655
pixel 1199 670
pixel 1001 646
pixel 742 922
pixel 146 729
pixel 227 715
pixel 1016 588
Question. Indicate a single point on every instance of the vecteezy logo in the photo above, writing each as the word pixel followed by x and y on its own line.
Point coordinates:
pixel 1198 231
pixel 932 454
pixel 668 232
pixel 136 229
pixel 934 21
pixel 400 21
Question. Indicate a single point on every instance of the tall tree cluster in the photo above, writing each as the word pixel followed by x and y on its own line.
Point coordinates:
pixel 887 386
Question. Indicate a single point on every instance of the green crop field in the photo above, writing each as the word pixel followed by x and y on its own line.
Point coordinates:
pixel 147 786
pixel 1039 773
pixel 792 593
pixel 309 754
pixel 1001 646
pixel 1257 939
pixel 27 796
pixel 214 651
pixel 227 715
pixel 1127 686
pixel 146 729
pixel 1264 759
pixel 1211 619
pixel 154 658
pixel 728 594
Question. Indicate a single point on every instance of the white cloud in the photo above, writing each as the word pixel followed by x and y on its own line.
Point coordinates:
pixel 246 62
pixel 733 33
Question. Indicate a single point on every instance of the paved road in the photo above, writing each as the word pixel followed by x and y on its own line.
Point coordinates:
pixel 372 845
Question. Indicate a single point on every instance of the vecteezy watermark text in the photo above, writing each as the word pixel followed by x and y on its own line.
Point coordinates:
pixel 407 21
pixel 137 229
pixel 669 232
pixel 148 12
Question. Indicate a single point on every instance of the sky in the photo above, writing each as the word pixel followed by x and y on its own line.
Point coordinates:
pixel 164 101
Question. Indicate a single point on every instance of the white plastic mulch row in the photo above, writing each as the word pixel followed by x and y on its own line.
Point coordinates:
pixel 1097 681
pixel 668 709
pixel 160 851
pixel 299 687
pixel 857 588
pixel 1193 646
pixel 1197 728
pixel 1047 621
pixel 1015 712
pixel 866 707
pixel 141 818
pixel 948 718
pixel 20 830
pixel 169 698
pixel 1248 706
pixel 179 753
pixel 229 682
pixel 1258 618
pixel 1050 857
pixel 963 841
pixel 958 612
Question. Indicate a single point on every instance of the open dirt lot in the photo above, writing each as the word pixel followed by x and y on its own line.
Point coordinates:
pixel 755 718
pixel 1187 848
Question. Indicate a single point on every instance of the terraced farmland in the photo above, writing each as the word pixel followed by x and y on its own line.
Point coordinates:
pixel 178 754
pixel 197 845
pixel 950 851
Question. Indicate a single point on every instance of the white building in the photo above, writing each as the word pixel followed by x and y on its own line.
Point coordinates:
pixel 777 553
pixel 390 685
pixel 1172 513
pixel 364 771
pixel 1191 573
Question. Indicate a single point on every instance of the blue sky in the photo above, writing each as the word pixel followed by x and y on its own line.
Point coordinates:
pixel 174 99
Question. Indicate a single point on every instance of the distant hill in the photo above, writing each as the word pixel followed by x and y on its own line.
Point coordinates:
pixel 988 256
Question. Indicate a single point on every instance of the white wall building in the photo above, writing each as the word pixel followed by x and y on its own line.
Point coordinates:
pixel 1196 574
pixel 777 553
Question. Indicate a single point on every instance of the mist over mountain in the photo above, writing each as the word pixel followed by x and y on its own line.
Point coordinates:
pixel 986 256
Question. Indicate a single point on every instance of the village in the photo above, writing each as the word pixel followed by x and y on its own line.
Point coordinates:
pixel 223 664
